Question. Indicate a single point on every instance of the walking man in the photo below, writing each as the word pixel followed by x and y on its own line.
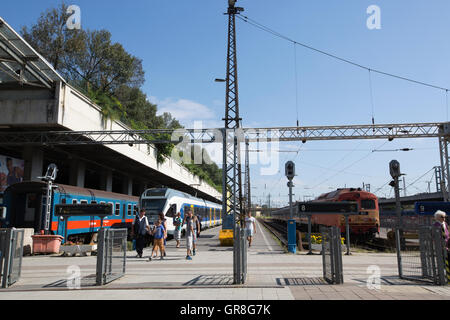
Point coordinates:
pixel 139 230
pixel 250 227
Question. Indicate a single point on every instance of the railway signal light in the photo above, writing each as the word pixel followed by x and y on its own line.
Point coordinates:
pixel 290 170
pixel 394 167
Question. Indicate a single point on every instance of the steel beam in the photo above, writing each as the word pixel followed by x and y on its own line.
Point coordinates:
pixel 304 134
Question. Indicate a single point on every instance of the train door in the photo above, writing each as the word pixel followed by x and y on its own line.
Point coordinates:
pixel 33 206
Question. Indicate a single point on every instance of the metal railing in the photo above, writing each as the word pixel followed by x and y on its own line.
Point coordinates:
pixel 111 255
pixel 423 257
pixel 11 253
pixel 332 255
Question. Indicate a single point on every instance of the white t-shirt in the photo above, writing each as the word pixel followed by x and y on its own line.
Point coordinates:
pixel 249 223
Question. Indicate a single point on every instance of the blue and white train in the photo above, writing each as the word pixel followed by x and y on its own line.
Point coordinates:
pixel 170 201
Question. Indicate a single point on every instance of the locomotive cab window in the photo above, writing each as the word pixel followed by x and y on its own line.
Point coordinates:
pixel 172 211
pixel 368 204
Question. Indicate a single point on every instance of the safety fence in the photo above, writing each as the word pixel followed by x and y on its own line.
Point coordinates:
pixel 11 253
pixel 421 254
pixel 332 255
pixel 410 222
pixel 111 255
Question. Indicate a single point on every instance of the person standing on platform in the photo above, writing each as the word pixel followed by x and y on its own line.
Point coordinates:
pixel 158 235
pixel 139 231
pixel 189 233
pixel 197 228
pixel 440 222
pixel 177 233
pixel 250 228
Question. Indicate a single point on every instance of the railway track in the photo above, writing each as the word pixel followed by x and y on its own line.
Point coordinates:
pixel 277 230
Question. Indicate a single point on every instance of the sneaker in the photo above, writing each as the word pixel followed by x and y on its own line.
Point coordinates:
pixel 162 258
pixel 188 258
pixel 149 258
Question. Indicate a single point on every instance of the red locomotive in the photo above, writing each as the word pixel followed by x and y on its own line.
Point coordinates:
pixel 365 224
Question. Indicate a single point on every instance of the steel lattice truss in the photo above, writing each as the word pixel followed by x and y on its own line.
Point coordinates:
pixel 155 136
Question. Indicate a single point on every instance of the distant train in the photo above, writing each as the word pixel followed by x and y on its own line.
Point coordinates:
pixel 170 201
pixel 25 208
pixel 365 224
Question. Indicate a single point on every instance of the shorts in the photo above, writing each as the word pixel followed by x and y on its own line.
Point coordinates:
pixel 194 237
pixel 177 234
pixel 249 232
pixel 189 240
pixel 159 243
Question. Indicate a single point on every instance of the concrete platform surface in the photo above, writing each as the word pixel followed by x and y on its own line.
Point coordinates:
pixel 273 274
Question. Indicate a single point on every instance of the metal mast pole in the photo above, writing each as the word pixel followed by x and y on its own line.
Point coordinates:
pixel 232 174
pixel 247 177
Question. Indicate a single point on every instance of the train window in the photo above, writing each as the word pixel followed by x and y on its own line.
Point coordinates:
pixel 172 211
pixel 117 209
pixel 74 201
pixel 129 209
pixel 135 210
pixel 83 202
pixel 368 204
pixel 102 202
pixel 112 207
pixel 93 202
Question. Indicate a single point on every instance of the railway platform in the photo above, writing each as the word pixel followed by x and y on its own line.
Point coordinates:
pixel 273 274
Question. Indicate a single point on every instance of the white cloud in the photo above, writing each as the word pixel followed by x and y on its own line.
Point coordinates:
pixel 187 112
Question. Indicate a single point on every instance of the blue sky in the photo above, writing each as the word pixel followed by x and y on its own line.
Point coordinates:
pixel 183 47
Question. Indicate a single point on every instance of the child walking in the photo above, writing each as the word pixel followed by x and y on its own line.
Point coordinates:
pixel 158 236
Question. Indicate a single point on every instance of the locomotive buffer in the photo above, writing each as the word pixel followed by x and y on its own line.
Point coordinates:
pixel 329 208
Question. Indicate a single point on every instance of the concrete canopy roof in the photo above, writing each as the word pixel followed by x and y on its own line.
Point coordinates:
pixel 20 63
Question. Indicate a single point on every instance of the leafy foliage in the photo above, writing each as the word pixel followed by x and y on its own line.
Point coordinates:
pixel 110 76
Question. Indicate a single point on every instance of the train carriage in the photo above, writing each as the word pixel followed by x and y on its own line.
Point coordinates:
pixel 25 208
pixel 169 202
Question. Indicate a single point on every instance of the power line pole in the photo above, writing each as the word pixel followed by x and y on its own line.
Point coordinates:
pixel 232 174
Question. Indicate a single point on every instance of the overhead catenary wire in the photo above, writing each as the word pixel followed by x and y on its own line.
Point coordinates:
pixel 277 34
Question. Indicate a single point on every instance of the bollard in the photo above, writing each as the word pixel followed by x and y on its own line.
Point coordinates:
pixel 292 236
